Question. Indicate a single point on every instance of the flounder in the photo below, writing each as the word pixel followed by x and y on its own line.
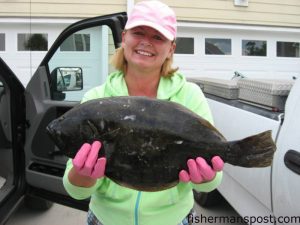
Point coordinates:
pixel 148 141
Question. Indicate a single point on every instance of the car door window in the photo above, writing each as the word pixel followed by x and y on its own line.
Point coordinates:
pixel 80 63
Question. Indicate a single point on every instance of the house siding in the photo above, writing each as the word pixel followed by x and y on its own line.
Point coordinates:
pixel 259 12
pixel 60 8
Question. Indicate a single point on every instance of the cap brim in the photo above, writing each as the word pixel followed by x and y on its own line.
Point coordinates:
pixel 155 26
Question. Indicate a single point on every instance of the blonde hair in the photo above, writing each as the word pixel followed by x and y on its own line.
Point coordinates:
pixel 119 62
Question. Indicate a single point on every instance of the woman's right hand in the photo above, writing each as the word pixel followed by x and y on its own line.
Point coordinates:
pixel 87 167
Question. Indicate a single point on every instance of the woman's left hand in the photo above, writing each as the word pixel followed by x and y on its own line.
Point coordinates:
pixel 199 171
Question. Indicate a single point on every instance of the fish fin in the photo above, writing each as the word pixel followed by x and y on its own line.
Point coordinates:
pixel 211 127
pixel 254 151
pixel 203 121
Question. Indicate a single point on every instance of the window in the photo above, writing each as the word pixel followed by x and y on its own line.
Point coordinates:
pixel 76 42
pixel 254 48
pixel 217 46
pixel 33 42
pixel 86 60
pixel 288 49
pixel 2 42
pixel 184 45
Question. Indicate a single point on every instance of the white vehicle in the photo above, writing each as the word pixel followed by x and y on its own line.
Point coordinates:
pixel 261 195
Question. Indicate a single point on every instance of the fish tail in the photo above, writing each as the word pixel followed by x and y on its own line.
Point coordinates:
pixel 254 151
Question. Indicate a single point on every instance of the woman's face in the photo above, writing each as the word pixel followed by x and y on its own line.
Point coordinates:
pixel 146 49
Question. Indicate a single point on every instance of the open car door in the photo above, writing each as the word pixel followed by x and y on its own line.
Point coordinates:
pixel 78 60
pixel 12 134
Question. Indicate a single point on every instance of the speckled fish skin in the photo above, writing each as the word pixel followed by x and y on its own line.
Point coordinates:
pixel 147 142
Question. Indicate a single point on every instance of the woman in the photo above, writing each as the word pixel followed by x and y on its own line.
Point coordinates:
pixel 143 69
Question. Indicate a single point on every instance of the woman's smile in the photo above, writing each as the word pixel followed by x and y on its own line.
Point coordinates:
pixel 144 53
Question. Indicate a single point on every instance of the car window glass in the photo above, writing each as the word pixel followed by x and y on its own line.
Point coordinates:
pixel 82 59
pixel 77 42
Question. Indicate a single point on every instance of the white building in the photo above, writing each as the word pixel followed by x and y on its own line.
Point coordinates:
pixel 215 37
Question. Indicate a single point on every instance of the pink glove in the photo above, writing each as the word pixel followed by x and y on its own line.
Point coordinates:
pixel 200 171
pixel 86 161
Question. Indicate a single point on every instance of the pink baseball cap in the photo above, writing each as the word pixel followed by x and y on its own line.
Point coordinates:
pixel 153 14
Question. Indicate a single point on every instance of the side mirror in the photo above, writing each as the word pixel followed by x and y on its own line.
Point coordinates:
pixel 67 79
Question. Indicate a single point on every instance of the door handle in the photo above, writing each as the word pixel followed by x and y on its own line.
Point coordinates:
pixel 292 160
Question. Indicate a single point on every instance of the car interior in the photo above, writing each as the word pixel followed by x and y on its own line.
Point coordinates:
pixel 31 165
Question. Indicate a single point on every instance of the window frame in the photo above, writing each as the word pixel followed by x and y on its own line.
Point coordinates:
pixel 286 41
pixel 30 50
pixel 261 56
pixel 194 46
pixel 218 55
